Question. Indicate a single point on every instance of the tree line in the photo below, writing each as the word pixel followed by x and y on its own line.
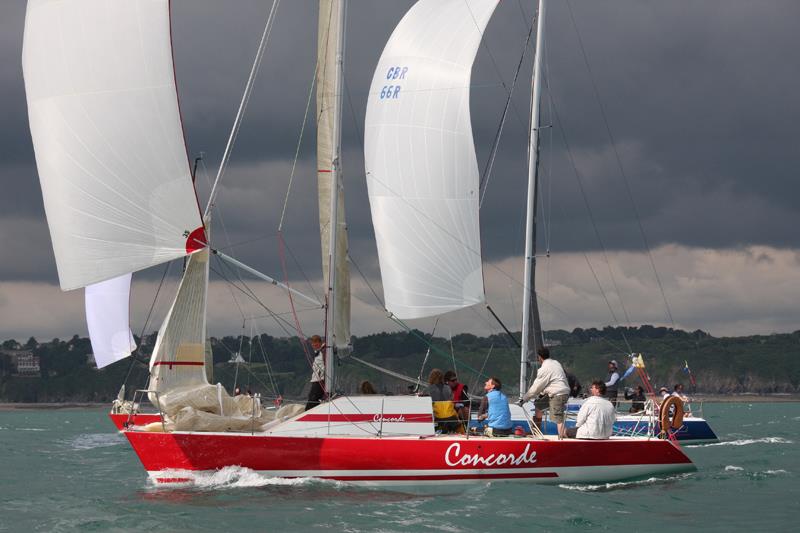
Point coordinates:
pixel 275 366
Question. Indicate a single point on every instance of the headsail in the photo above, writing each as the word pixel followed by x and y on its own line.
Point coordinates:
pixel 107 132
pixel 422 171
pixel 327 156
pixel 107 308
pixel 178 358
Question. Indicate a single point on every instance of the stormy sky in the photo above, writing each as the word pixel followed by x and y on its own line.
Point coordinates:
pixel 682 112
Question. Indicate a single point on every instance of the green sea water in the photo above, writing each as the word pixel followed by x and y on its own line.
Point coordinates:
pixel 68 470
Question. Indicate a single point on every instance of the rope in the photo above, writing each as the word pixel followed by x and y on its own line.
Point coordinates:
pixel 301 337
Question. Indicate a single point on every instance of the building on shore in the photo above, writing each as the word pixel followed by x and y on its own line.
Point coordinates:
pixel 26 363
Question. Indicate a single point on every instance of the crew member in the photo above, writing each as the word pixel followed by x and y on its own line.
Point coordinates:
pixel 596 417
pixel 494 409
pixel 317 392
pixel 550 388
pixel 612 381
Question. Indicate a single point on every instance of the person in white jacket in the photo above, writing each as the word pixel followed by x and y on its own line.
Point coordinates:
pixel 596 417
pixel 551 383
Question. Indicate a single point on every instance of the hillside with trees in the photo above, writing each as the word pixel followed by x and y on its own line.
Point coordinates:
pixel 278 366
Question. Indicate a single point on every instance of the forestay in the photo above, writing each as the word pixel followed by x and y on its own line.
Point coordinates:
pixel 107 132
pixel 422 172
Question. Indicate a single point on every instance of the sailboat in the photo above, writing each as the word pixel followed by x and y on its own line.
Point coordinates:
pixel 99 77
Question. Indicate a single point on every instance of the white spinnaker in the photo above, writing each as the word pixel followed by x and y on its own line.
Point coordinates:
pixel 178 358
pixel 107 132
pixel 422 172
pixel 107 309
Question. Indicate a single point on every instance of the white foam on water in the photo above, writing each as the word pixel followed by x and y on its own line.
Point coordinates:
pixel 234 477
pixel 91 441
pixel 732 468
pixel 775 472
pixel 623 484
pixel 31 429
pixel 744 442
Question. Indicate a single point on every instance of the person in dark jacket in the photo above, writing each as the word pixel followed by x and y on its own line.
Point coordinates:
pixel 637 398
pixel 574 385
pixel 612 382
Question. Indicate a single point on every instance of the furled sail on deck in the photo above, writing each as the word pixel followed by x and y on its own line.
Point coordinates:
pixel 179 355
pixel 328 34
pixel 107 132
pixel 422 171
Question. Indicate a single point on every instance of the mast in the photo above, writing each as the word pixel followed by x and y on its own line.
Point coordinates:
pixel 330 318
pixel 531 325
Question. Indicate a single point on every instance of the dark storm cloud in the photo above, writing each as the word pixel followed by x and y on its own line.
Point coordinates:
pixel 700 98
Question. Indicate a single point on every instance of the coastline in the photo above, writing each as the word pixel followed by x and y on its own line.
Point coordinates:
pixel 700 398
pixel 51 405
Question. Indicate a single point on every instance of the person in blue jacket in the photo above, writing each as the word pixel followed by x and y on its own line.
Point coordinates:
pixel 494 409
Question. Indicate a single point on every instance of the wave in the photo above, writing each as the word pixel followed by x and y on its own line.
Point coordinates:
pixel 602 487
pixel 235 477
pixel 91 441
pixel 732 468
pixel 744 442
pixel 31 429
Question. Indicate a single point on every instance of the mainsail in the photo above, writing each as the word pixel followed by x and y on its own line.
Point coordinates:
pixel 328 161
pixel 422 171
pixel 107 132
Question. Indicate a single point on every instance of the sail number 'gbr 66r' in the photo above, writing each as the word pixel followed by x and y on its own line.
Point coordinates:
pixel 393 91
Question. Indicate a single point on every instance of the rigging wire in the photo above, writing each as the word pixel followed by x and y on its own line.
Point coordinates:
pixel 268 364
pixel 494 64
pixel 366 281
pixel 282 323
pixel 299 144
pixel 239 355
pixel 476 381
pixel 621 167
pixel 608 304
pixel 589 211
pixel 299 267
pixel 136 359
pixel 483 184
pixel 237 123
pixel 425 360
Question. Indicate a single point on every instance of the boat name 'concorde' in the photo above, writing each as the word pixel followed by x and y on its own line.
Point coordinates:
pixel 453 457
pixel 379 418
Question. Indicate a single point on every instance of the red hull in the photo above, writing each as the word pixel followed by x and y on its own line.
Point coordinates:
pixel 140 419
pixel 406 460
